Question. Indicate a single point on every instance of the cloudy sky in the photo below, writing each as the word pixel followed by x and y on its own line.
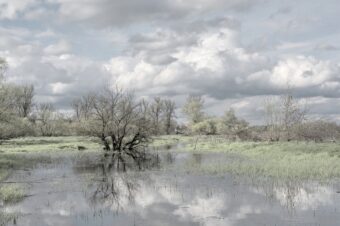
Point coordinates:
pixel 234 52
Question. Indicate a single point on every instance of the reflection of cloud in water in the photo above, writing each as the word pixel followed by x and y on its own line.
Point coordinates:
pixel 203 207
pixel 156 198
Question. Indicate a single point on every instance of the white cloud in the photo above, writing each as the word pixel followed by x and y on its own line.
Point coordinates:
pixel 58 48
pixel 9 9
pixel 303 72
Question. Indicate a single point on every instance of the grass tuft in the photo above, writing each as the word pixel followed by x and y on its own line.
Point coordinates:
pixel 11 193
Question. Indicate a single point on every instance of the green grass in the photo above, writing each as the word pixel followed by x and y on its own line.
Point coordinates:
pixel 282 159
pixel 49 144
pixel 27 152
pixel 161 141
pixel 11 193
pixel 5 218
pixel 290 160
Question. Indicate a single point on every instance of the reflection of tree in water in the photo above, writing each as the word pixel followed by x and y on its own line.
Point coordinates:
pixel 294 195
pixel 120 180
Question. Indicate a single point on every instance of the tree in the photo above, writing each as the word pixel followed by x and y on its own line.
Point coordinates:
pixel 193 109
pixel 318 131
pixel 3 68
pixel 118 120
pixel 272 118
pixel 283 116
pixel 5 103
pixel 205 127
pixel 231 126
pixel 45 116
pixel 156 110
pixel 24 100
pixel 292 115
pixel 83 106
pixel 169 115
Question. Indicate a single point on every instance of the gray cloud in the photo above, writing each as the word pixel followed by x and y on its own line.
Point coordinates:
pixel 228 51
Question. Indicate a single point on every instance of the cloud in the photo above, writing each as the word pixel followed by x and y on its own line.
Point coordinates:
pixel 10 9
pixel 227 50
pixel 105 13
pixel 208 62
pixel 58 48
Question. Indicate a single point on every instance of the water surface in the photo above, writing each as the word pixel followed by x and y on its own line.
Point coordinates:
pixel 78 191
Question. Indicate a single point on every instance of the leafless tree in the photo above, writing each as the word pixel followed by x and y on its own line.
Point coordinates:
pixel 156 111
pixel 272 118
pixel 283 116
pixel 169 115
pixel 293 114
pixel 45 116
pixel 118 120
pixel 24 100
pixel 83 106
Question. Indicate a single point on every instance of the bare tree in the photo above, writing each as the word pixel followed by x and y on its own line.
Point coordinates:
pixel 283 116
pixel 24 100
pixel 156 110
pixel 83 106
pixel 293 114
pixel 118 120
pixel 272 118
pixel 45 115
pixel 169 115
pixel 76 106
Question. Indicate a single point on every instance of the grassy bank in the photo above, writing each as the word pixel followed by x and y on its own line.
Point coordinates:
pixel 25 152
pixel 290 160
pixel 281 159
pixel 49 144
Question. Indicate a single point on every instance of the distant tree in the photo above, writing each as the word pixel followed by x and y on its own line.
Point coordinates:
pixel 205 127
pixel 169 115
pixel 293 114
pixel 283 116
pixel 156 111
pixel 193 109
pixel 23 100
pixel 318 131
pixel 82 106
pixel 6 93
pixel 3 68
pixel 232 126
pixel 272 118
pixel 45 115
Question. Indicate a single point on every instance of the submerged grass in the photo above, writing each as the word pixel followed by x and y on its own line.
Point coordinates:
pixel 5 218
pixel 11 193
pixel 289 160
pixel 26 152
pixel 272 159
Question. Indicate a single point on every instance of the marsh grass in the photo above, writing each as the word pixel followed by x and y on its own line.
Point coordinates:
pixel 11 193
pixel 162 141
pixel 290 160
pixel 5 218
pixel 49 144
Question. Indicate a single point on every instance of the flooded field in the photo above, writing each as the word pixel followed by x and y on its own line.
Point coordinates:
pixel 76 190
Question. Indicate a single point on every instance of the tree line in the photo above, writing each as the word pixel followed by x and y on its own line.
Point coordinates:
pixel 124 122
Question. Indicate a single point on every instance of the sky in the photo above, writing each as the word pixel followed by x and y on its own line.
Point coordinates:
pixel 236 53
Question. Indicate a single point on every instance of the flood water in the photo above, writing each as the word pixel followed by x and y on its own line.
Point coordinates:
pixel 76 191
